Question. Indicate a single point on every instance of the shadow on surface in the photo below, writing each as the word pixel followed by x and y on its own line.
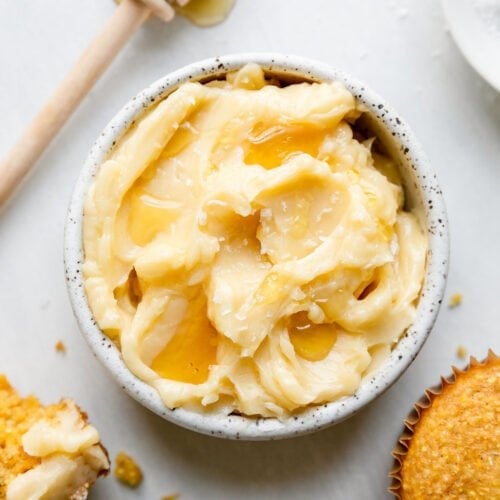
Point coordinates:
pixel 271 462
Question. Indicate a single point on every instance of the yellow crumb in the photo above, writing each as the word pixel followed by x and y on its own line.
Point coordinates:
pixel 461 352
pixel 455 300
pixel 175 496
pixel 60 347
pixel 127 470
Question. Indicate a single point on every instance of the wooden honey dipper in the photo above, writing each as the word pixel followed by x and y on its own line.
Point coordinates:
pixel 127 18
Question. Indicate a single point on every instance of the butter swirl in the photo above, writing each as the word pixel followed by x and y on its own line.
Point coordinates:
pixel 246 251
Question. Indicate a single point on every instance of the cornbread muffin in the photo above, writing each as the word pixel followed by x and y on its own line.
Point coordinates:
pixel 48 452
pixel 451 447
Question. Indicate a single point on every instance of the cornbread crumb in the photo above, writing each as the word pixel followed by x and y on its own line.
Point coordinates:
pixel 175 496
pixel 461 352
pixel 455 300
pixel 127 471
pixel 60 347
pixel 454 451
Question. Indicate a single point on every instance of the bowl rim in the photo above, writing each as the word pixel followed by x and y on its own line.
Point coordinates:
pixel 315 417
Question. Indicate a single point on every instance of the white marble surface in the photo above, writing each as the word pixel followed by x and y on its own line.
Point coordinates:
pixel 400 48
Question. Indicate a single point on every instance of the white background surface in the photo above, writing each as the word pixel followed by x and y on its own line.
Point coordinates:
pixel 401 49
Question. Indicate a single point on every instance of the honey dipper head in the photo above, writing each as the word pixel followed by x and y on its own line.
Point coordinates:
pixel 200 12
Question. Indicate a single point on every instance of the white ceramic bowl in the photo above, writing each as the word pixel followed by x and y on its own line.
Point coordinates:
pixel 423 195
pixel 475 26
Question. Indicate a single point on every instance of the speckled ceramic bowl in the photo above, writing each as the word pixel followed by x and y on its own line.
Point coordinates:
pixel 423 195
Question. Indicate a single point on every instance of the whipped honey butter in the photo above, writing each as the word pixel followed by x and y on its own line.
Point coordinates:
pixel 247 251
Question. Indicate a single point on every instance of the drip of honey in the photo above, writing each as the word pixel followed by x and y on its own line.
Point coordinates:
pixel 147 217
pixel 113 334
pixel 272 147
pixel 192 349
pixel 206 12
pixel 310 341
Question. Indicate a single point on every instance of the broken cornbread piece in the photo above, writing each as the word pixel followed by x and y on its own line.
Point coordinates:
pixel 455 300
pixel 127 470
pixel 451 446
pixel 60 347
pixel 46 452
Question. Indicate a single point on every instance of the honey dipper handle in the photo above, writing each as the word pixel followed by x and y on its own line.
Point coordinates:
pixel 127 18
